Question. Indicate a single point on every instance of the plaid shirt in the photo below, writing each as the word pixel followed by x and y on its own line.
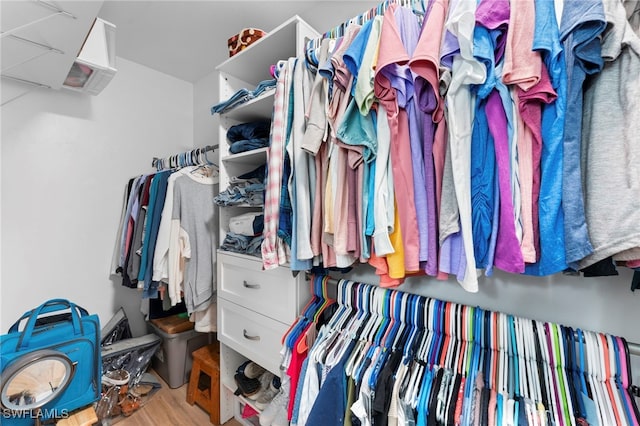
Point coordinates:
pixel 274 250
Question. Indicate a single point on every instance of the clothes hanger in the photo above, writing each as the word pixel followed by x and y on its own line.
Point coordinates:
pixel 573 374
pixel 563 408
pixel 454 329
pixel 533 377
pixel 342 301
pixel 585 372
pixel 425 318
pixel 384 336
pixel 385 317
pixel 323 294
pixel 505 369
pixel 544 403
pixel 526 378
pixel 301 317
pixel 569 394
pixel 529 379
pixel 611 381
pixel 602 377
pixel 396 321
pixel 553 399
pixel 348 292
pixel 401 318
pixel 592 370
pixel 436 350
pixel 320 348
pixel 558 382
pixel 445 354
pixel 461 335
pixel 625 381
pixel 498 376
pixel 514 358
pixel 408 350
pixel 608 395
pixel 366 304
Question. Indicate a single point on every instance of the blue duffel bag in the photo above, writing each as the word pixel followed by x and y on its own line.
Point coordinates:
pixel 50 367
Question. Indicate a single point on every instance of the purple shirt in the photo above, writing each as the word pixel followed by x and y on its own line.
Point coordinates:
pixel 452 256
pixel 508 255
pixel 409 32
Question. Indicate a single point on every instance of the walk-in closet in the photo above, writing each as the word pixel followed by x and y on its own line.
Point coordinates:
pixel 392 212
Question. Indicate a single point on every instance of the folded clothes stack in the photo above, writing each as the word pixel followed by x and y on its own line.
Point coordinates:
pixel 245 234
pixel 242 244
pixel 248 136
pixel 244 189
pixel 248 224
pixel 242 96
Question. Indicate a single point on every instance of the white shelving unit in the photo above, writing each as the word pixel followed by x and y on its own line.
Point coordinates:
pixel 255 307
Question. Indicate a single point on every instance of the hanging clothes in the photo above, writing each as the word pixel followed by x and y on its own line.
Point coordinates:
pixel 447 139
pixel 455 365
pixel 166 239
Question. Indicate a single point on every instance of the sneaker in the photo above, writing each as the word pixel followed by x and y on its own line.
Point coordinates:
pixel 250 369
pixel 278 403
pixel 246 386
pixel 268 392
pixel 265 380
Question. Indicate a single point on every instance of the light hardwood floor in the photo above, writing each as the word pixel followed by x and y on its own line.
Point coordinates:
pixel 168 407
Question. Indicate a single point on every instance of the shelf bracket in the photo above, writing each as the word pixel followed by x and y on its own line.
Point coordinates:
pixel 56 11
pixel 29 82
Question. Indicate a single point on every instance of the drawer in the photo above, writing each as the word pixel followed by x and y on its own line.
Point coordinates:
pixel 271 293
pixel 253 335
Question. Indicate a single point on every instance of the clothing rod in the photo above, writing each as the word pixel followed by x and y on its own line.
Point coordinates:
pixel 634 348
pixel 380 9
pixel 156 161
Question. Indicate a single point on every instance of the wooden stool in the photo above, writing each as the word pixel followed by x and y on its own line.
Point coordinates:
pixel 206 393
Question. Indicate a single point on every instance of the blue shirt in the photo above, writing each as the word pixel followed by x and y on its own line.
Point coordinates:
pixel 331 403
pixel 483 158
pixel 353 55
pixel 151 287
pixel 546 40
pixel 582 23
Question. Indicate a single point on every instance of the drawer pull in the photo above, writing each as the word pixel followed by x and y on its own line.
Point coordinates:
pixel 251 286
pixel 249 337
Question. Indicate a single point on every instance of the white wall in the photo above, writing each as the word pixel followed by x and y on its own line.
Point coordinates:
pixel 66 158
pixel 205 125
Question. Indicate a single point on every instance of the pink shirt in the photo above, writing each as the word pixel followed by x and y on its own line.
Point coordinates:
pixel 425 64
pixel 530 107
pixel 391 51
pixel 522 68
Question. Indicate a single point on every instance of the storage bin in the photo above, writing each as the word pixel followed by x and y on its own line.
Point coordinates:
pixel 173 360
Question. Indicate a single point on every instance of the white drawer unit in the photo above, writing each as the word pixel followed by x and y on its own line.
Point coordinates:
pixel 271 293
pixel 253 335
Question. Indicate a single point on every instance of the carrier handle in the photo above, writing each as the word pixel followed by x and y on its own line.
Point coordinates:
pixel 49 306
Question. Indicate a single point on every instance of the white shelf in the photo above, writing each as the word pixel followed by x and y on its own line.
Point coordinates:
pixel 255 109
pixel 252 64
pixel 254 157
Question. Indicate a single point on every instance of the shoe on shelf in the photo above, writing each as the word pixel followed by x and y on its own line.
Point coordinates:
pixel 270 388
pixel 264 380
pixel 250 369
pixel 246 386
pixel 278 403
